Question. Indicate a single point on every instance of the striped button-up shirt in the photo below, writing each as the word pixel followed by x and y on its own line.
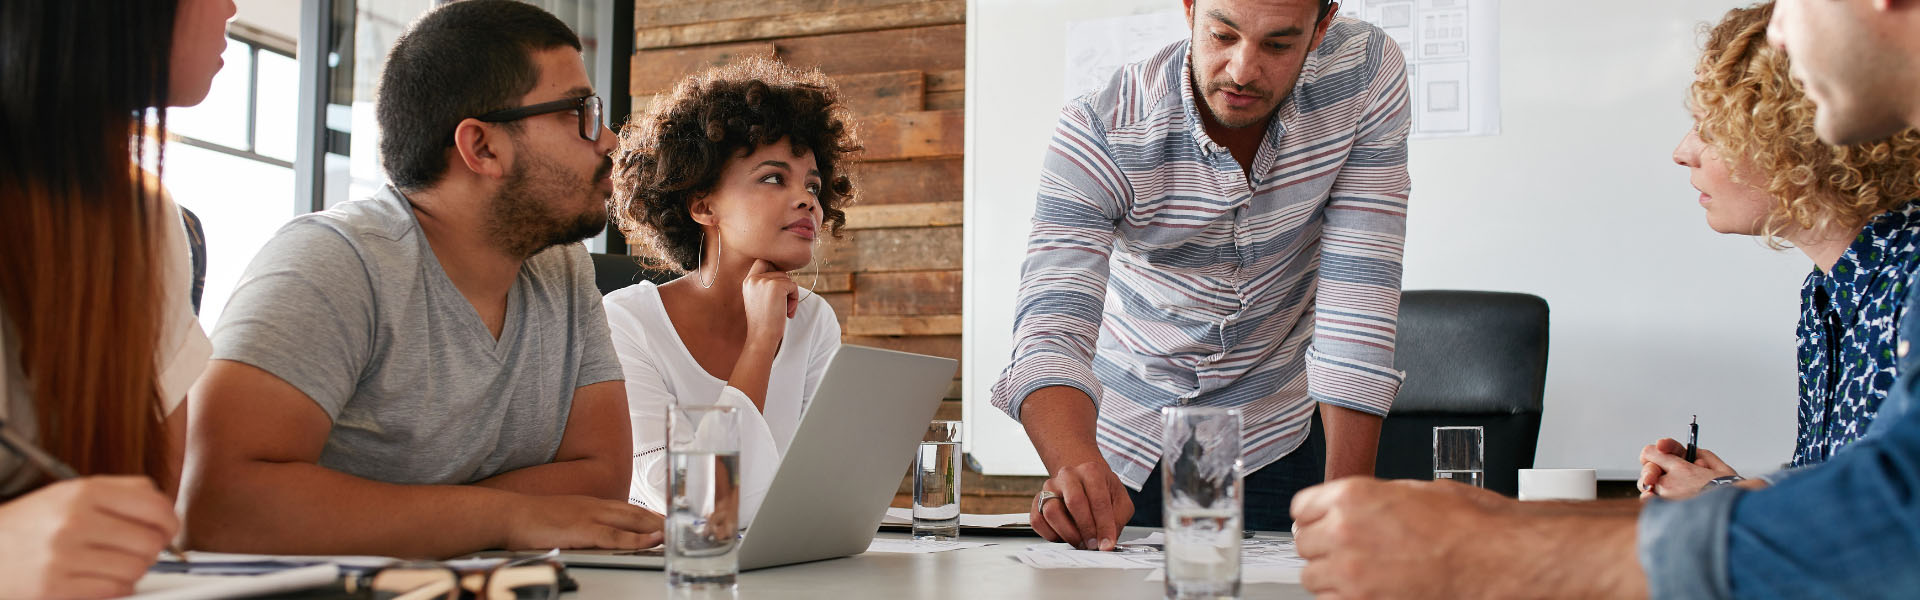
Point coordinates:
pixel 1159 274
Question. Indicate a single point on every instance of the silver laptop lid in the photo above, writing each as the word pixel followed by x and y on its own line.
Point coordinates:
pixel 854 445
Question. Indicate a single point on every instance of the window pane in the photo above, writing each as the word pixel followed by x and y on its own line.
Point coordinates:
pixel 241 203
pixel 279 105
pixel 377 26
pixel 222 117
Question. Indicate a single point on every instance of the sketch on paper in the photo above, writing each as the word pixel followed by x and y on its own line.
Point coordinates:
pixel 1098 47
pixel 1451 48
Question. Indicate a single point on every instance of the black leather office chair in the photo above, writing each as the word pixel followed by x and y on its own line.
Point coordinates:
pixel 615 271
pixel 1471 358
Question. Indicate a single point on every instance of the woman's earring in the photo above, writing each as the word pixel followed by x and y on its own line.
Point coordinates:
pixel 816 272
pixel 700 267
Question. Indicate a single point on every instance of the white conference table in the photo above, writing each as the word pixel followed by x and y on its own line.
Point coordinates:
pixel 984 572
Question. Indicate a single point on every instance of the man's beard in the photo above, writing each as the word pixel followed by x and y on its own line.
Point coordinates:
pixel 521 221
pixel 1223 118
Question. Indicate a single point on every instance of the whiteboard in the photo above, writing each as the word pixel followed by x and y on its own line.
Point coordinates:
pixel 1654 316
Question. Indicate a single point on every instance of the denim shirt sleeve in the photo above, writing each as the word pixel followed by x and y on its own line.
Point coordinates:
pixel 1847 529
pixel 1683 545
pixel 1776 477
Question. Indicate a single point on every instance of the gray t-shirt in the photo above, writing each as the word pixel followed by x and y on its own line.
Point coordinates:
pixel 351 307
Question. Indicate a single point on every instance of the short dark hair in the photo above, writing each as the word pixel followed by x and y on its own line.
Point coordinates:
pixel 678 150
pixel 461 60
pixel 1325 7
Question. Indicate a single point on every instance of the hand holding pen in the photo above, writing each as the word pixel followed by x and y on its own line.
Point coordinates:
pixel 81 536
pixel 1672 470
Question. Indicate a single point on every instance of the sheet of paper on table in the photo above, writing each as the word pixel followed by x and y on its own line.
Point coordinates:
pixel 1149 553
pixel 904 516
pixel 899 546
pixel 222 575
pixel 185 586
pixel 221 563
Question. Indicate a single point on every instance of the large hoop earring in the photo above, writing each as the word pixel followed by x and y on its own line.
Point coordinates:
pixel 700 267
pixel 816 275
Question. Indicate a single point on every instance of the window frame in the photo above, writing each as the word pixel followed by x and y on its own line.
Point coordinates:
pixel 251 152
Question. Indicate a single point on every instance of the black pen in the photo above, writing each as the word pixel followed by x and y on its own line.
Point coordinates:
pixel 52 466
pixel 1693 438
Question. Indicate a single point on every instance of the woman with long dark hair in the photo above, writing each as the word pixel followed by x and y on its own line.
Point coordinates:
pixel 98 344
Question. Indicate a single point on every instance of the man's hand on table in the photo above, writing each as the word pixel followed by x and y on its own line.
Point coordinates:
pixel 1083 503
pixel 1091 508
pixel 1369 538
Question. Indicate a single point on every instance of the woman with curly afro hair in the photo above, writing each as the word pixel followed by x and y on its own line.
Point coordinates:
pixel 1762 171
pixel 731 179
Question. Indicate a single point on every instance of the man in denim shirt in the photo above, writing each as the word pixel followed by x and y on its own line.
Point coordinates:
pixel 1849 528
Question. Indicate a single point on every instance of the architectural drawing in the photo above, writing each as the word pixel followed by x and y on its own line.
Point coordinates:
pixel 1452 48
pixel 1098 47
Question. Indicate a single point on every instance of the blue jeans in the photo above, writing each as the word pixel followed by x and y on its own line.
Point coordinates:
pixel 1269 491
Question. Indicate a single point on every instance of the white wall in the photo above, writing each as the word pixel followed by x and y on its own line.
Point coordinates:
pixel 1655 317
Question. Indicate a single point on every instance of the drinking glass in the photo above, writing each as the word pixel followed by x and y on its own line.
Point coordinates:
pixel 1202 495
pixel 1458 454
pixel 703 496
pixel 936 483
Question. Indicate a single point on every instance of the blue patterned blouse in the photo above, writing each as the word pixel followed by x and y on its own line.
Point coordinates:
pixel 1849 334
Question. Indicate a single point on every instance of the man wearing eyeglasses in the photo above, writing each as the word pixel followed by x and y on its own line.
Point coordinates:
pixel 427 372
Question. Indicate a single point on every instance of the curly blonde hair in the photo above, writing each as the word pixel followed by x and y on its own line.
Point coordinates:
pixel 1752 111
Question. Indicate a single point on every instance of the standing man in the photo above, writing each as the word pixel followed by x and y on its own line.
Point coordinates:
pixel 1847 528
pixel 428 372
pixel 1226 219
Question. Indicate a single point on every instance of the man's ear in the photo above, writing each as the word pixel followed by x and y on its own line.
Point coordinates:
pixel 483 148
pixel 1189 4
pixel 702 210
pixel 1320 29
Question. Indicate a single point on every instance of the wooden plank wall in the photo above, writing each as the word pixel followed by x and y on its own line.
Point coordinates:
pixel 894 278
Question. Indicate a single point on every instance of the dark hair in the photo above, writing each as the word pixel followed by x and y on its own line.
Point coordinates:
pixel 1325 6
pixel 79 222
pixel 459 61
pixel 678 150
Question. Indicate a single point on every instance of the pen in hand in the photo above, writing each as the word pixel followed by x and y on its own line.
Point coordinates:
pixel 1693 439
pixel 54 467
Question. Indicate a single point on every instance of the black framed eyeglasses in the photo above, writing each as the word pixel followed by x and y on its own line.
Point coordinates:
pixel 589 107
pixel 531 578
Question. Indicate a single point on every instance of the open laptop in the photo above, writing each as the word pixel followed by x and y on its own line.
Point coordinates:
pixel 855 442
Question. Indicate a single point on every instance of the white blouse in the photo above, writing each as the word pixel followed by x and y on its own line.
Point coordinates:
pixel 660 369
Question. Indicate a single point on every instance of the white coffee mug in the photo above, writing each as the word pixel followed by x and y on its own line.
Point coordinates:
pixel 1557 484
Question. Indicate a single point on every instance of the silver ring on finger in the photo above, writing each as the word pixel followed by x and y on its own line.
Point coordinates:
pixel 1046 495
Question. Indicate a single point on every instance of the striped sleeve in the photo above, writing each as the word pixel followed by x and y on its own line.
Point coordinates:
pixel 1063 280
pixel 1358 303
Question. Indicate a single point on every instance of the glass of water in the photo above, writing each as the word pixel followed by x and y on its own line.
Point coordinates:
pixel 1202 495
pixel 703 497
pixel 936 483
pixel 1458 454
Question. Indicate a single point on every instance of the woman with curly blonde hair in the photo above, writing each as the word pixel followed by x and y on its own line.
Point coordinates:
pixel 730 178
pixel 1762 171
